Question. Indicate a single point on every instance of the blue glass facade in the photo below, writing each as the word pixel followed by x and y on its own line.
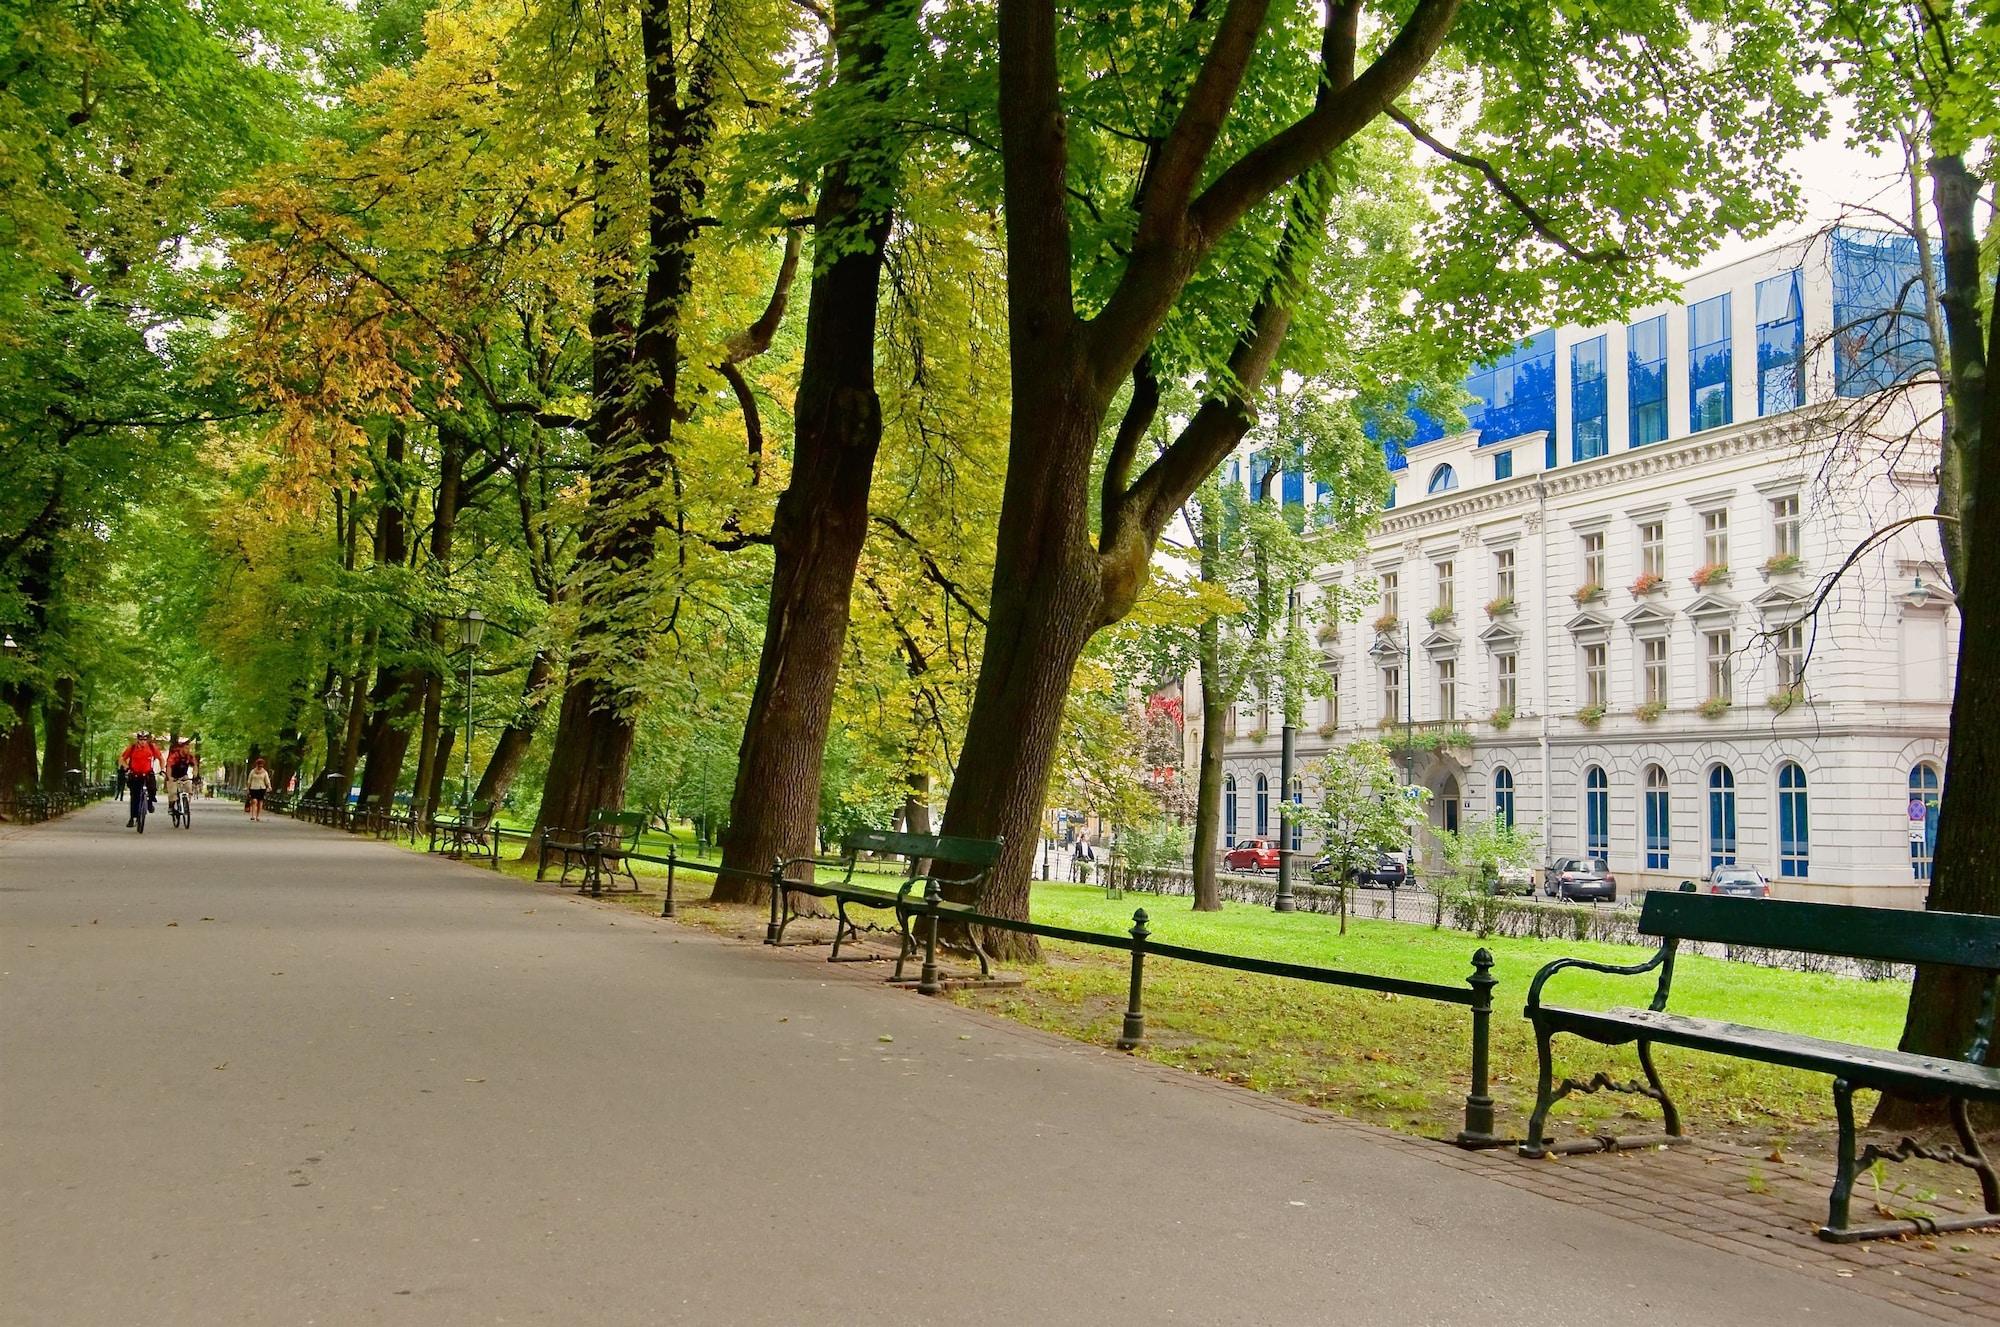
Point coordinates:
pixel 1880 336
pixel 1589 406
pixel 1646 380
pixel 1294 487
pixel 1709 404
pixel 1781 345
pixel 1516 394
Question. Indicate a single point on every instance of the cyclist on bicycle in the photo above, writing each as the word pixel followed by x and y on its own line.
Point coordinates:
pixel 140 761
pixel 183 768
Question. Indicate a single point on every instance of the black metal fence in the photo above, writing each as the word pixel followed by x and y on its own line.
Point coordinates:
pixel 31 806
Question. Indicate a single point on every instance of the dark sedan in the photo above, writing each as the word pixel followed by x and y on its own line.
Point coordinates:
pixel 1387 872
pixel 1581 878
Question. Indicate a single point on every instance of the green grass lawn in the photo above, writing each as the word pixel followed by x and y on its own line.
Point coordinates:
pixel 1405 1062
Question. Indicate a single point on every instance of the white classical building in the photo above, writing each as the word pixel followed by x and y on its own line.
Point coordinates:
pixel 1608 611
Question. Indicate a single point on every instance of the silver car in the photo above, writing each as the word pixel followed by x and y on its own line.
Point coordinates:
pixel 1739 882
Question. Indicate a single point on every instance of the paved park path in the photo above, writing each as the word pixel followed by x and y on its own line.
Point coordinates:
pixel 274 1074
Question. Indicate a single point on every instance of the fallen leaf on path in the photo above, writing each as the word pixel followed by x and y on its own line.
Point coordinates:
pixel 223 1065
pixel 173 923
pixel 475 1080
pixel 208 919
pixel 885 1037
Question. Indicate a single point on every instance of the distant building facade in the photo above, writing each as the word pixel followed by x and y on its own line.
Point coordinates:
pixel 1598 611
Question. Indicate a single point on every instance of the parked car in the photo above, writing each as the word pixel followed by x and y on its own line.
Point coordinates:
pixel 1252 855
pixel 1739 882
pixel 1581 878
pixel 1388 872
pixel 1511 880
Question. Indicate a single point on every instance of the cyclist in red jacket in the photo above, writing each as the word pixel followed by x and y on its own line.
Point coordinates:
pixel 141 762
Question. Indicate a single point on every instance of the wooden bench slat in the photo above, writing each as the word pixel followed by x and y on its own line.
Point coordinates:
pixel 1890 935
pixel 1864 1066
pixel 937 847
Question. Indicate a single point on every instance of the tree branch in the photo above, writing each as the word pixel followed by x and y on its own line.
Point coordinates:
pixel 1139 412
pixel 932 570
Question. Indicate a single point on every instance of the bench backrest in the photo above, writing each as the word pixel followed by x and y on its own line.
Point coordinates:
pixel 979 853
pixel 627 825
pixel 1891 935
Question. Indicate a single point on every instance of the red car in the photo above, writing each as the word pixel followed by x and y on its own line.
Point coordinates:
pixel 1252 855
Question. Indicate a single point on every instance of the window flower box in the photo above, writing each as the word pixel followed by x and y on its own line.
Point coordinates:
pixel 1590 715
pixel 1714 707
pixel 1588 594
pixel 1503 718
pixel 1500 607
pixel 1650 711
pixel 1647 583
pixel 1440 615
pixel 1781 564
pixel 1714 573
pixel 1259 734
pixel 1326 730
pixel 1385 624
pixel 1784 699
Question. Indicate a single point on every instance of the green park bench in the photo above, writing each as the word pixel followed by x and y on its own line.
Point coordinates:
pixel 924 854
pixel 467 831
pixel 369 815
pixel 607 840
pixel 1888 935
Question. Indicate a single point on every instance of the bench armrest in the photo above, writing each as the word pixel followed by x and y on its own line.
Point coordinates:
pixel 1661 960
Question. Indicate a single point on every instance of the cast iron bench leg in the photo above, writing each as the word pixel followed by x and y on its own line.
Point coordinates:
pixel 1668 1110
pixel 1843 1175
pixel 1975 1155
pixel 1531 1146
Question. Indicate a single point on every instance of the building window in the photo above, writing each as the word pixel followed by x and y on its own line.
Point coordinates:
pixel 1392 693
pixel 1293 487
pixel 1791 656
pixel 1794 822
pixel 1503 574
pixel 1514 395
pixel 1708 364
pixel 1587 400
pixel 1506 668
pixel 1594 690
pixel 1715 537
pixel 1447 674
pixel 1263 807
pixel 1390 594
pixel 1593 558
pixel 1880 335
pixel 1721 816
pixel 1503 464
pixel 1653 670
pixel 1443 480
pixel 1785 526
pixel 1503 796
pixel 1444 585
pixel 1596 814
pixel 1229 811
pixel 1646 367
pixel 1298 817
pixel 1333 700
pixel 1925 786
pixel 1720 648
pixel 1653 548
pixel 1780 345
pixel 1659 833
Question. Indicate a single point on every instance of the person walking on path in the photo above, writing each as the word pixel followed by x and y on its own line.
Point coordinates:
pixel 140 761
pixel 1080 860
pixel 257 783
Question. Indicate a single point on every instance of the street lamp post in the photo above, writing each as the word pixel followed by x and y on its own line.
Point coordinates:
pixel 1288 745
pixel 470 628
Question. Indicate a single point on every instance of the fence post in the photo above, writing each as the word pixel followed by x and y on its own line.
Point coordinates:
pixel 927 976
pixel 772 927
pixel 667 905
pixel 1134 1031
pixel 1478 1131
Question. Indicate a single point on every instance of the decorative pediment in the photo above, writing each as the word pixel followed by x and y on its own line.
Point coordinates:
pixel 1386 649
pixel 1500 635
pixel 1441 643
pixel 1712 605
pixel 1648 619
pixel 1589 622
pixel 1781 601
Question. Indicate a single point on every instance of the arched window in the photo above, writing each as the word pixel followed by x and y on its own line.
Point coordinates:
pixel 1596 814
pixel 1503 796
pixel 1443 480
pixel 1721 816
pixel 1923 814
pixel 1298 815
pixel 1229 811
pixel 1263 807
pixel 1794 822
pixel 1659 831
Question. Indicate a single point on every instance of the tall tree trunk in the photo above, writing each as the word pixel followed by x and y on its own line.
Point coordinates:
pixel 1944 1002
pixel 17 741
pixel 445 503
pixel 822 518
pixel 1208 764
pixel 432 793
pixel 519 734
pixel 427 741
pixel 59 724
pixel 1956 196
pixel 393 702
pixel 633 421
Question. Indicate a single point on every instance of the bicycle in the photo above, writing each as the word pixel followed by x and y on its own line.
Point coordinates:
pixel 180 807
pixel 139 806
